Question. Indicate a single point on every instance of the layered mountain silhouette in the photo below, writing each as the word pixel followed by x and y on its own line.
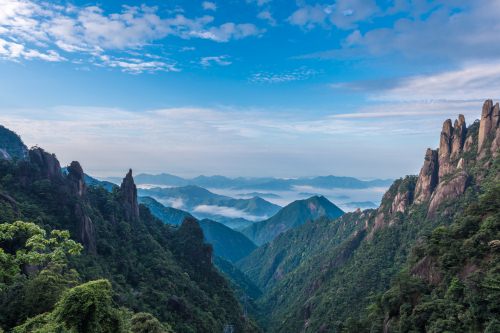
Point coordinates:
pixel 265 183
pixel 291 216
pixel 424 260
pixel 153 267
pixel 201 203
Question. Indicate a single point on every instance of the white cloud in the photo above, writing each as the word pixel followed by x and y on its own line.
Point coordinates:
pixel 344 14
pixel 431 32
pixel 43 30
pixel 470 82
pixel 16 51
pixel 207 5
pixel 267 16
pixel 218 60
pixel 382 140
pixel 227 212
pixel 259 2
pixel 288 76
pixel 137 66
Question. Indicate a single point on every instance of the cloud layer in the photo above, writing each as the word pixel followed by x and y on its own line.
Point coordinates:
pixel 50 32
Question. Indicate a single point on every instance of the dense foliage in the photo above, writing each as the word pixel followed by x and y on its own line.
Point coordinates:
pixel 153 268
pixel 452 279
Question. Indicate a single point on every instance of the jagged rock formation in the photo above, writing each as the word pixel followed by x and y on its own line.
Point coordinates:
pixel 488 128
pixel 428 177
pixel 77 178
pixel 47 164
pixel 86 230
pixel 446 173
pixel 128 195
pixel 395 202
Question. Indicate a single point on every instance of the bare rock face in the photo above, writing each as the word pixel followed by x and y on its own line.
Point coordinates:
pixel 128 192
pixel 495 146
pixel 459 134
pixel 445 140
pixel 47 163
pixel 486 125
pixel 86 230
pixel 448 190
pixel 428 177
pixel 469 143
pixel 76 179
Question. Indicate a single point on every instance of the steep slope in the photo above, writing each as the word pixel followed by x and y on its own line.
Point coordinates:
pixel 11 145
pixel 330 287
pixel 271 262
pixel 227 243
pixel 167 215
pixel 201 203
pixel 451 282
pixel 153 267
pixel 291 216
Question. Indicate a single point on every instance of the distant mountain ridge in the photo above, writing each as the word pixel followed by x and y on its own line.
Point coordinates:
pixel 426 260
pixel 201 203
pixel 227 243
pixel 291 216
pixel 257 183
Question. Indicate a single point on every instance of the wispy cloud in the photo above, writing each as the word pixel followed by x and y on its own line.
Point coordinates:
pixel 50 32
pixel 431 31
pixel 204 140
pixel 227 212
pixel 344 14
pixel 208 5
pixel 287 76
pixel 217 60
pixel 469 82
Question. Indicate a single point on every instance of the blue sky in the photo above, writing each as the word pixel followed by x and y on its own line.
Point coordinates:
pixel 245 87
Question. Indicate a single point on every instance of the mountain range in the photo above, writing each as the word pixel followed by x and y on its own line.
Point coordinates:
pixel 291 216
pixel 148 266
pixel 426 260
pixel 201 203
pixel 264 183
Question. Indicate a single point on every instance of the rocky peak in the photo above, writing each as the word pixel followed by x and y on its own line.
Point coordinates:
pixel 489 131
pixel 459 134
pixel 47 164
pixel 428 177
pixel 451 144
pixel 128 192
pixel 76 178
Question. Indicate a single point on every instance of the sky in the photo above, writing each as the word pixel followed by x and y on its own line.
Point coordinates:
pixel 245 87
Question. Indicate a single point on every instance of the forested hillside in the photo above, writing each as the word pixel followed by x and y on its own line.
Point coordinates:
pixel 152 267
pixel 323 276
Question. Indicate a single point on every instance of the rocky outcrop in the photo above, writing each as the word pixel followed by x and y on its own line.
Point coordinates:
pixel 428 177
pixel 47 164
pixel 76 179
pixel 451 145
pixel 486 124
pixel 448 190
pixel 86 230
pixel 459 135
pixel 128 196
pixel 396 201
